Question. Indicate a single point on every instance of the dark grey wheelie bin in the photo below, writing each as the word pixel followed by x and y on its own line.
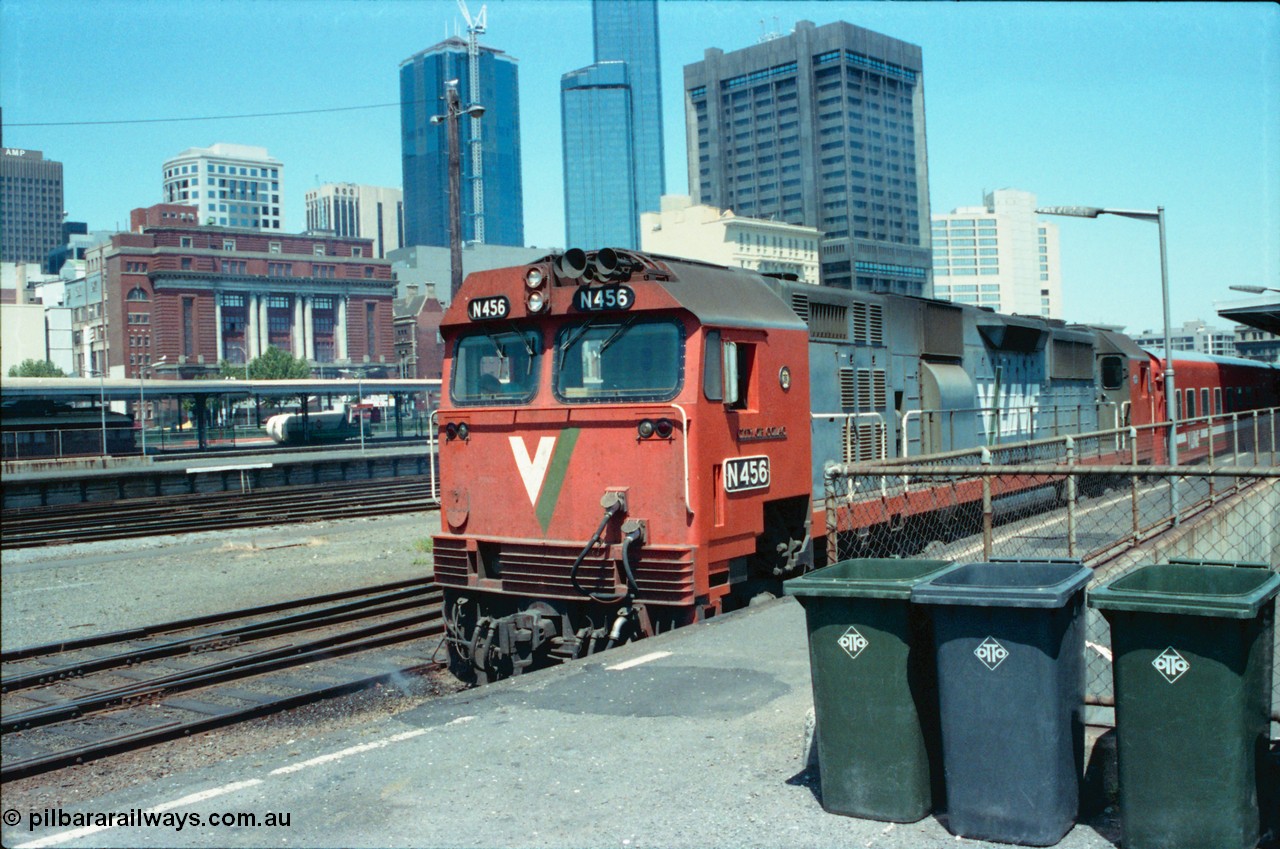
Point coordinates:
pixel 874 691
pixel 1010 655
pixel 1192 654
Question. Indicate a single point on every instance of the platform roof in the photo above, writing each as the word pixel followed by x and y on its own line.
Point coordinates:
pixel 123 389
pixel 1261 313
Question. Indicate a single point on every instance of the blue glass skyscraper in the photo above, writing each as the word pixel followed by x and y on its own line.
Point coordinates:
pixel 425 146
pixel 626 34
pixel 599 184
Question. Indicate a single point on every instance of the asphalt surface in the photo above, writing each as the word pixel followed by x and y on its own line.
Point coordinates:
pixel 700 743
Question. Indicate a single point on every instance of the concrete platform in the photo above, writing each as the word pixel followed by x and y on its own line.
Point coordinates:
pixel 691 739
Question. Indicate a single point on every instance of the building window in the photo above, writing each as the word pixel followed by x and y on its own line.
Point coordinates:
pixel 137 293
pixel 228 244
pixel 273 247
pixel 317 250
pixel 188 326
pixel 371 328
pixel 278 302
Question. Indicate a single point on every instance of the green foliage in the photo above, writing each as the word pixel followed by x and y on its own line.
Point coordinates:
pixel 228 369
pixel 423 546
pixel 36 368
pixel 274 364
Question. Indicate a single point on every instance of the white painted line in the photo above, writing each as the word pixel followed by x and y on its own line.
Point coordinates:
pixel 354 750
pixel 75 834
pixel 204 794
pixel 1102 650
pixel 636 661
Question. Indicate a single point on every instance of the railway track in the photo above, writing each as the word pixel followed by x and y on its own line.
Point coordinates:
pixel 76 701
pixel 61 524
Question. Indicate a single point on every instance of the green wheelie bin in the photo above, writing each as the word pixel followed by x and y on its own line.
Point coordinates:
pixel 874 688
pixel 1192 661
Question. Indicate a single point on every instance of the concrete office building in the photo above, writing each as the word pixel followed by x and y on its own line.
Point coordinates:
pixel 823 128
pixel 31 205
pixel 361 212
pixel 611 116
pixel 999 255
pixel 424 146
pixel 696 231
pixel 1194 335
pixel 232 185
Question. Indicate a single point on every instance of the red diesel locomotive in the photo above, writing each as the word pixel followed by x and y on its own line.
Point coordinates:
pixel 614 441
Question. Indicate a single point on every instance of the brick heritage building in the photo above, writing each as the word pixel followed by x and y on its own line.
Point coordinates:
pixel 194 296
pixel 419 348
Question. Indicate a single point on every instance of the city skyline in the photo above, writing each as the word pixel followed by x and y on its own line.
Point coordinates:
pixel 1078 104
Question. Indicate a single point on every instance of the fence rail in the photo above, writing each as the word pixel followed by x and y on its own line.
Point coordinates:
pixel 1081 497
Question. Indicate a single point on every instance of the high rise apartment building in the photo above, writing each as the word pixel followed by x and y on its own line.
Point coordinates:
pixel 232 185
pixel 611 115
pixel 368 212
pixel 425 146
pixel 999 255
pixel 31 209
pixel 825 128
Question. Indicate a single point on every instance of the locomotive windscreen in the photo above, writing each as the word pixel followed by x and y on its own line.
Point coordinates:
pixel 636 360
pixel 496 368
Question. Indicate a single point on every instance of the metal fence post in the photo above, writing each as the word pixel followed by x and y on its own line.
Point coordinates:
pixel 1209 428
pixel 987 514
pixel 1071 499
pixel 1133 482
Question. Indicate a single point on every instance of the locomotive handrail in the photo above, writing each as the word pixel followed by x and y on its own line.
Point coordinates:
pixel 1032 409
pixel 684 428
pixel 849 420
pixel 433 456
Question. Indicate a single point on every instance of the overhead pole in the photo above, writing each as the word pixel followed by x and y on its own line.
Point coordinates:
pixel 475 27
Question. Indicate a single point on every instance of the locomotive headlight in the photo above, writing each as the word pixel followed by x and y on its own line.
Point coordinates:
pixel 463 431
pixel 451 430
pixel 784 378
pixel 536 301
pixel 533 277
pixel 663 428
pixel 645 429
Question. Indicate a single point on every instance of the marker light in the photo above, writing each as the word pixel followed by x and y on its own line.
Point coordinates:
pixel 463 431
pixel 664 428
pixel 451 430
pixel 645 429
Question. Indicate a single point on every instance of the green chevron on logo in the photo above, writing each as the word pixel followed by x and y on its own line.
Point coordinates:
pixel 549 497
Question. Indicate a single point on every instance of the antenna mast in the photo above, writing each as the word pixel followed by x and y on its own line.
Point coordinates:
pixel 475 27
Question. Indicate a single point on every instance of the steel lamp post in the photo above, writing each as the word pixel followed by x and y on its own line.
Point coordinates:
pixel 1170 389
pixel 454 111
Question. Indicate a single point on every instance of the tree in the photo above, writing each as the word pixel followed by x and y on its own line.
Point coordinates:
pixel 36 368
pixel 275 364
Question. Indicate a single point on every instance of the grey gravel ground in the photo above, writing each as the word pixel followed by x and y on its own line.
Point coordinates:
pixel 78 590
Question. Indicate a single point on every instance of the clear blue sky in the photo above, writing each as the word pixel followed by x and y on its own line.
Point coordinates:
pixel 1122 105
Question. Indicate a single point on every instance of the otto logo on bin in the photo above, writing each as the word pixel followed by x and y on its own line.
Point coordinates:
pixel 991 653
pixel 1170 664
pixel 852 642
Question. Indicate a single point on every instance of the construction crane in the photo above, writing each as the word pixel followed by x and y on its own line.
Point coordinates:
pixel 475 27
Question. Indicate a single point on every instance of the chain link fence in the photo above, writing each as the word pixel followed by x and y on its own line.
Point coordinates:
pixel 1072 497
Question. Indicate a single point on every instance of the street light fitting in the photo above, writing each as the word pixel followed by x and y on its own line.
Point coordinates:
pixel 1095 211
pixel 1254 290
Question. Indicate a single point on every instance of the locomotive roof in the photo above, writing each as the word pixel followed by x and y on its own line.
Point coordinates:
pixel 705 290
pixel 1197 357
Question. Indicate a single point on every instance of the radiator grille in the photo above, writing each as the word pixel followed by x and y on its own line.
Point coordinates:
pixel 663 575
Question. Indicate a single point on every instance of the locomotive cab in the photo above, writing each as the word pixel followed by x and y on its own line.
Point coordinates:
pixel 613 457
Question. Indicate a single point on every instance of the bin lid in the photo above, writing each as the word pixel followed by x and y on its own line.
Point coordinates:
pixel 1025 584
pixel 1189 590
pixel 865 578
pixel 1199 561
